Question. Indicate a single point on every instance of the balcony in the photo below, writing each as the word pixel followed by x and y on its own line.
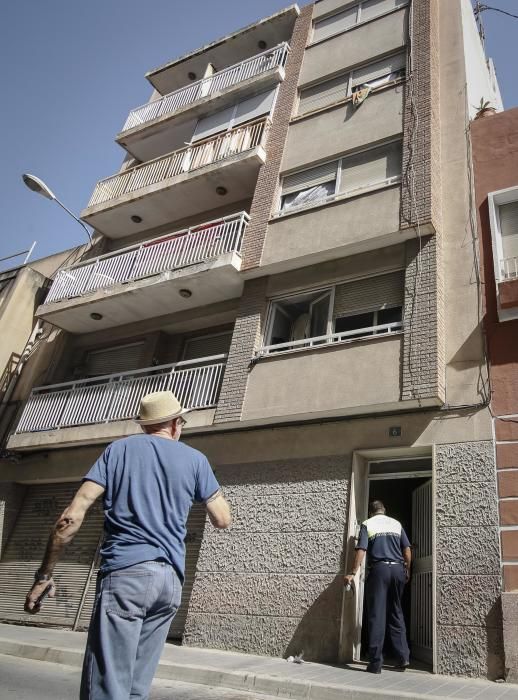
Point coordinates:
pixel 148 129
pixel 102 408
pixel 173 187
pixel 204 259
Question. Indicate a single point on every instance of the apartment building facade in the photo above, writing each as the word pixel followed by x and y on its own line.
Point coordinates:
pixel 286 247
pixel 495 161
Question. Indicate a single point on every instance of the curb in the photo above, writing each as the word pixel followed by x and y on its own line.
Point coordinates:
pixel 287 688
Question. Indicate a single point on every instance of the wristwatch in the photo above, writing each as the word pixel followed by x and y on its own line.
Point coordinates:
pixel 40 578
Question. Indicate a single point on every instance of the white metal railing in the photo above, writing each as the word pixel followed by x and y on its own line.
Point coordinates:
pixel 185 160
pixel 509 268
pixel 170 252
pixel 195 383
pixel 357 334
pixel 207 87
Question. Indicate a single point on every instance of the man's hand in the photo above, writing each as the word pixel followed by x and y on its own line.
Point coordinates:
pixel 31 601
pixel 348 579
pixel 407 574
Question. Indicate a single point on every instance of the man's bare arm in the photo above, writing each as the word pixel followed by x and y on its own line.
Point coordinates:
pixel 62 534
pixel 359 556
pixel 218 510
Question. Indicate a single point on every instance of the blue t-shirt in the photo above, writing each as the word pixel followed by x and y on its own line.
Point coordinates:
pixel 383 538
pixel 150 484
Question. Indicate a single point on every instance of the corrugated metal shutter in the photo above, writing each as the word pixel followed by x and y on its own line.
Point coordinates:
pixel 309 178
pixel 122 358
pixel 195 528
pixel 372 71
pixel 23 554
pixel 371 167
pixel 335 24
pixel 374 8
pixel 509 228
pixel 207 345
pixel 369 294
pixel 323 94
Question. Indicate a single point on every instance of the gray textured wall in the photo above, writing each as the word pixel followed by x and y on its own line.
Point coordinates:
pixel 270 584
pixel 469 617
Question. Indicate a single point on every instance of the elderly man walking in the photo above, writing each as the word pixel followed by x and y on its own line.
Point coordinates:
pixel 149 483
pixel 388 559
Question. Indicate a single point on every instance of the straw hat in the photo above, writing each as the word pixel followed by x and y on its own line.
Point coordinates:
pixel 159 407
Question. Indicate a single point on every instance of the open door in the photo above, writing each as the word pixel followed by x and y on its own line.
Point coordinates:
pixel 421 629
pixel 352 605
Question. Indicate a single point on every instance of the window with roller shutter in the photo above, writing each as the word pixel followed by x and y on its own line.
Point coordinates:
pixel 207 346
pixel 503 215
pixel 114 360
pixel 351 16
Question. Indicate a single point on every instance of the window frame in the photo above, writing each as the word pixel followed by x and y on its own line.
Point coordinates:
pixel 375 312
pixel 495 201
pixel 359 22
pixel 350 79
pixel 273 307
pixel 338 194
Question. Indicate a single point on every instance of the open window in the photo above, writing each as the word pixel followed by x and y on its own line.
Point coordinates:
pixel 300 317
pixel 309 186
pixel 379 73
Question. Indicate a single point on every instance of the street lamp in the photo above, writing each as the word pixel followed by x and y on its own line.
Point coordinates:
pixel 36 185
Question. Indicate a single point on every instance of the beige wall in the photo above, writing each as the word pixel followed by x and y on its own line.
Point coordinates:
pixel 344 129
pixel 295 384
pixel 355 46
pixel 334 229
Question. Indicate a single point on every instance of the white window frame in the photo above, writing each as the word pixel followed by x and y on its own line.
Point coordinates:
pixel 495 201
pixel 358 22
pixel 350 78
pixel 331 338
pixel 338 195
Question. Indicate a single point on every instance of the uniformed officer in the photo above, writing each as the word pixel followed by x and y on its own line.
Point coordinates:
pixel 388 562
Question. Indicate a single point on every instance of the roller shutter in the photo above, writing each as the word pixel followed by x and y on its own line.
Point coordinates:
pixel 304 179
pixel 195 528
pixel 324 94
pixel 369 294
pixel 25 549
pixel 121 358
pixel 207 345
pixel 509 228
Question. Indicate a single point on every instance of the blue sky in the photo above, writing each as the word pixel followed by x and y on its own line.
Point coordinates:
pixel 73 70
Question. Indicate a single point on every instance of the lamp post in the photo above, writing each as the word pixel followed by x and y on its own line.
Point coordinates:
pixel 36 185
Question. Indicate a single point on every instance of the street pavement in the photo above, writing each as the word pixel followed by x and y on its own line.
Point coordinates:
pixel 25 679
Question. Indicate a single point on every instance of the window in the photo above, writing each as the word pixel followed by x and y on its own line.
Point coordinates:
pixel 503 209
pixel 359 309
pixel 380 166
pixel 114 360
pixel 296 318
pixel 372 75
pixel 350 17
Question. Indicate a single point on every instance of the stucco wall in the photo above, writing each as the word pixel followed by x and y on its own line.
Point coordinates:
pixel 271 584
pixel 469 619
pixel 294 384
pixel 355 46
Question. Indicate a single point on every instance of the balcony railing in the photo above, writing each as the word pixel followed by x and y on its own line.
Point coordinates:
pixel 207 87
pixel 185 160
pixel 509 268
pixel 321 340
pixel 171 252
pixel 196 384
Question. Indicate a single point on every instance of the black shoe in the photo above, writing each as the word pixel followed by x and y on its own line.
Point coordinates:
pixel 402 666
pixel 371 668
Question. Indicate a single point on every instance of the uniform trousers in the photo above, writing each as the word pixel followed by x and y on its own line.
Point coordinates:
pixel 384 591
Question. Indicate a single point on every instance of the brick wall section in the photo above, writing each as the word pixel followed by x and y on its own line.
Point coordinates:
pixel 423 353
pixel 268 180
pixel 423 368
pixel 245 339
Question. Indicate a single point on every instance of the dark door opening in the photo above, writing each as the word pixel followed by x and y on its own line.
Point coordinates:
pixel 402 502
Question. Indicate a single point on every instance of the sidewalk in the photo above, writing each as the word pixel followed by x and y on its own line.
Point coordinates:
pixel 261 674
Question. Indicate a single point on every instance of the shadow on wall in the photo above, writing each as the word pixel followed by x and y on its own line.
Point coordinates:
pixel 318 633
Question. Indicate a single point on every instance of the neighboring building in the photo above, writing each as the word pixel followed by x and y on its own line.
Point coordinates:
pixel 301 273
pixel 495 160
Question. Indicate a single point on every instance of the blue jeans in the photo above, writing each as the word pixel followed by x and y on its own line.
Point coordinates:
pixel 133 610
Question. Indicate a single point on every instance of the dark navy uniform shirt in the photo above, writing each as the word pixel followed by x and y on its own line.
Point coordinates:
pixel 383 538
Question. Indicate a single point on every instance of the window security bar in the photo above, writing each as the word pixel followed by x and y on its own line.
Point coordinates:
pixel 170 252
pixel 509 268
pixel 356 334
pixel 256 65
pixel 185 160
pixel 196 384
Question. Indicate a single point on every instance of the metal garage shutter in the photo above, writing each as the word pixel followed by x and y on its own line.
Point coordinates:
pixel 24 551
pixel 121 358
pixel 195 528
